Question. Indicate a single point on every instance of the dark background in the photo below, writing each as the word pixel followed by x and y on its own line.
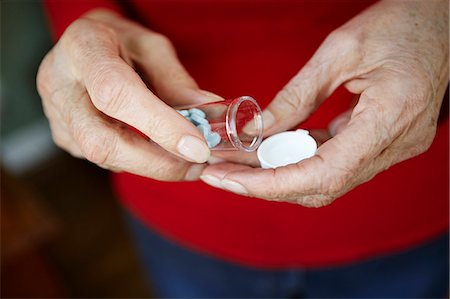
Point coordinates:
pixel 62 231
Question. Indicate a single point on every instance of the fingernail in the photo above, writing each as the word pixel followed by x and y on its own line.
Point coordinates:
pixel 214 160
pixel 211 96
pixel 211 180
pixel 193 149
pixel 268 119
pixel 233 187
pixel 194 172
pixel 198 96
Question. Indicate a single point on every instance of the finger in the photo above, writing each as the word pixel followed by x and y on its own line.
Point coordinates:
pixel 112 145
pixel 215 174
pixel 58 127
pixel 155 58
pixel 341 163
pixel 239 157
pixel 339 123
pixel 327 69
pixel 280 184
pixel 63 140
pixel 117 90
pixel 251 159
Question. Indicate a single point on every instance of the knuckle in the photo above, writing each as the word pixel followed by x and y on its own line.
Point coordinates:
pixel 424 148
pixel 43 76
pixel 334 186
pixel 73 34
pixel 101 13
pixel 59 140
pixel 169 173
pixel 407 92
pixel 422 142
pixel 159 128
pixel 315 201
pixel 63 141
pixel 148 43
pixel 108 90
pixel 276 195
pixel 82 27
pixel 429 138
pixel 345 39
pixel 381 121
pixel 276 190
pixel 418 99
pixel 78 37
pixel 160 39
pixel 96 146
pixel 291 99
pixel 348 44
pixel 285 189
pixel 334 181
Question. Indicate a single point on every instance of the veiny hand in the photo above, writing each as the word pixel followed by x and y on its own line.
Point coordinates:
pixel 92 96
pixel 394 56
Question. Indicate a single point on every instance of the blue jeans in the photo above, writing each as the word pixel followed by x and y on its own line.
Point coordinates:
pixel 174 271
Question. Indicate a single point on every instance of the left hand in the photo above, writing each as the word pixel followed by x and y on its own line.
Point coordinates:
pixel 94 86
pixel 394 56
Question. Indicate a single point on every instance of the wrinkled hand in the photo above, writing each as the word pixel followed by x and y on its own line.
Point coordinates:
pixel 394 57
pixel 92 96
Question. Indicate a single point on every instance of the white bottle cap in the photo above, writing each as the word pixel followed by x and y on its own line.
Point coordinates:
pixel 286 148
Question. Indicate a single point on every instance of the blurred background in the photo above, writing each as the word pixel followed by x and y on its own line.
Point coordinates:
pixel 62 232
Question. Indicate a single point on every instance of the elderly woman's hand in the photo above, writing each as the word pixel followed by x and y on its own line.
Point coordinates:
pixel 92 95
pixel 394 57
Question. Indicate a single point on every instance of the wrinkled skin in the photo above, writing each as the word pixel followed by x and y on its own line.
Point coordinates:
pixel 394 58
pixel 92 95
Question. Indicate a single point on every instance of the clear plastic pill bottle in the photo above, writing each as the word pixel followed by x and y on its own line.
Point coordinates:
pixel 228 125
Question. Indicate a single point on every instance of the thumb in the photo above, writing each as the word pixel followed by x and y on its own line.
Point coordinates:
pixel 325 71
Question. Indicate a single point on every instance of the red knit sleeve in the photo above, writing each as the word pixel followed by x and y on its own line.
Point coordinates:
pixel 61 14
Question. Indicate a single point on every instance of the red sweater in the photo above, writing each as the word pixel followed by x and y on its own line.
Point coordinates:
pixel 236 48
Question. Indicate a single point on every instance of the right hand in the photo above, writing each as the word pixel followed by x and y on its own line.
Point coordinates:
pixel 91 95
pixel 394 58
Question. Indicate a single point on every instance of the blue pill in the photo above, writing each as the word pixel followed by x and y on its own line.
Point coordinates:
pixel 196 111
pixel 213 139
pixel 205 129
pixel 185 113
pixel 198 120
